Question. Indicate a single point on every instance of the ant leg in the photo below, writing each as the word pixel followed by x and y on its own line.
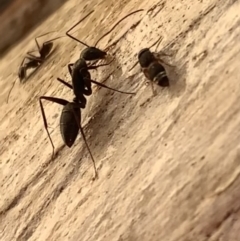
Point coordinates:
pixel 51 40
pixel 147 79
pixel 105 86
pixel 38 46
pixel 100 65
pixel 70 36
pixel 70 68
pixel 26 57
pixel 33 57
pixel 29 53
pixel 44 43
pixel 85 140
pixel 152 87
pixel 55 100
pixel 65 83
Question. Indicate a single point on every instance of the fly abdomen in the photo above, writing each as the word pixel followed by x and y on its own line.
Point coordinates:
pixel 162 79
pixel 69 126
pixel 157 73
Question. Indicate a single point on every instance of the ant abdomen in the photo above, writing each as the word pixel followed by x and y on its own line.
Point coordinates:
pixel 69 124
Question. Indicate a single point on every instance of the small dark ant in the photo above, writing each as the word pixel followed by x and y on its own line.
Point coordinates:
pixel 32 61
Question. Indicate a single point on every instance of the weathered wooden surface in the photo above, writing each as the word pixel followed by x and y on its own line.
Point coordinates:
pixel 18 17
pixel 169 165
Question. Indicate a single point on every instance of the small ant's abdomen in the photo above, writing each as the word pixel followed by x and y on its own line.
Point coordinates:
pixel 69 126
pixel 92 53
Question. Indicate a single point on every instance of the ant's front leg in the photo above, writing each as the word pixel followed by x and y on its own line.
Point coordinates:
pixel 33 57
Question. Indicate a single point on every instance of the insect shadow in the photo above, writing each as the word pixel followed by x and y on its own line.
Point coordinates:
pixel 32 61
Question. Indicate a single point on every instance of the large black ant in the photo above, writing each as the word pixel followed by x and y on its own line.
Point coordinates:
pixel 152 66
pixel 70 120
pixel 33 61
pixel 92 52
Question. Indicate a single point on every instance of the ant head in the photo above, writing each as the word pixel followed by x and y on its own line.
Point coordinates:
pixel 92 53
pixel 46 48
pixel 22 73
pixel 145 57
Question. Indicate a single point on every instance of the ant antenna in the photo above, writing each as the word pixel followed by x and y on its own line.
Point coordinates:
pixel 117 24
pixel 70 36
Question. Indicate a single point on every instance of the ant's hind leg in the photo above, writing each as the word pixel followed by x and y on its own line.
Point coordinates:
pixel 100 65
pixel 36 41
